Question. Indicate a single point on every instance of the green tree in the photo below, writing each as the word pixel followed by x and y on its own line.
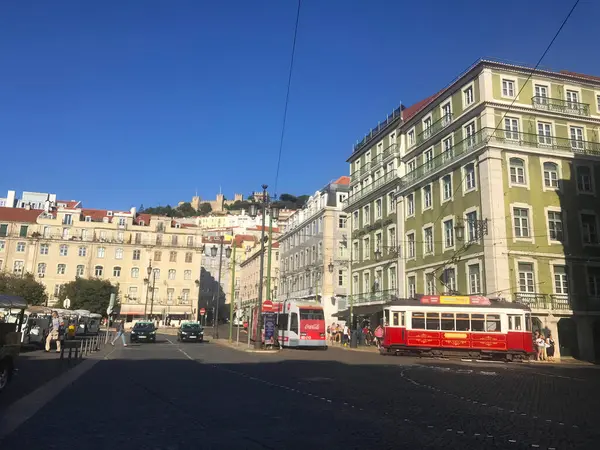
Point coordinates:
pixel 205 209
pixel 26 287
pixel 186 210
pixel 92 294
pixel 288 198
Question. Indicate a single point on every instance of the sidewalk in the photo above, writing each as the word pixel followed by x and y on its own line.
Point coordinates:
pixel 242 347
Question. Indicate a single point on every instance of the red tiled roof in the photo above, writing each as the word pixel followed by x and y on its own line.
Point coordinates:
pixel 70 203
pixel 412 110
pixel 580 75
pixel 97 215
pixel 260 228
pixel 19 214
pixel 142 217
pixel 342 180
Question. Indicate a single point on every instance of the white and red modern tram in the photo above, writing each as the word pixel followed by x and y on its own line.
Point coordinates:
pixel 472 326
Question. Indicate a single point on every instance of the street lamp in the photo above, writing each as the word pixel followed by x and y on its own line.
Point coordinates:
pixel 147 282
pixel 217 295
pixel 274 214
pixel 330 267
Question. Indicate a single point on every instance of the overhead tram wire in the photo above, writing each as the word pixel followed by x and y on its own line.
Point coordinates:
pixel 287 96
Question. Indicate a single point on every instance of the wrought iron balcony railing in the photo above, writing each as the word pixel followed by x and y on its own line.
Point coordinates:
pixel 552 302
pixel 375 163
pixel 363 192
pixel 546 142
pixel 373 297
pixel 397 113
pixel 432 130
pixel 561 106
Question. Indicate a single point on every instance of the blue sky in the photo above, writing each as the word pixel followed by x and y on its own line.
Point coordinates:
pixel 119 103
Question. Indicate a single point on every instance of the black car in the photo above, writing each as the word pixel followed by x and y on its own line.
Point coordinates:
pixel 190 331
pixel 143 332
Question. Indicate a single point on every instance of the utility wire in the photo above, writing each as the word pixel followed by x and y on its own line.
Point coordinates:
pixel 287 96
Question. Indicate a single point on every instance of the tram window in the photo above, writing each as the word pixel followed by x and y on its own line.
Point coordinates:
pixel 462 322
pixel 528 322
pixel 311 314
pixel 402 322
pixel 477 322
pixel 294 323
pixel 282 324
pixel 448 321
pixel 492 323
pixel 418 321
pixel 515 322
pixel 433 321
pixel 386 317
pixel 396 319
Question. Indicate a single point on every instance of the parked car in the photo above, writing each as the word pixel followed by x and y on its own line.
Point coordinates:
pixel 143 331
pixel 190 331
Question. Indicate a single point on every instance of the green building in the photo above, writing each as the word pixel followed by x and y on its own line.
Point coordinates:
pixel 496 193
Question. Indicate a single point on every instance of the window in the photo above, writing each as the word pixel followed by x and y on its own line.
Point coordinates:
pixel 469 177
pixel 521 222
pixel 471 219
pixel 410 242
pixel 391 202
pixel 82 251
pixel 446 113
pixel 188 257
pixel 598 102
pixel 98 271
pixel 378 208
pixel 508 88
pixel 135 272
pixel 100 252
pixel 41 269
pixel 544 133
pixel 174 239
pixel 185 296
pixel 43 249
pixel 171 274
pixel 511 128
pixel 355 254
pixel 589 228
pixel 187 274
pixel 61 269
pixel 63 250
pixel 18 267
pixel 576 138
pixel 172 256
pixel 417 321
pixel 412 286
pixel 492 323
pixel 4 230
pixel 355 220
pixel 80 270
pixel 517 171
pixel 138 238
pixel 541 93
pixel 447 149
pixel 427 127
pixel 427 198
pixel 428 238
pixel 23 231
pixel 468 96
pixel 550 175
pixel 429 284
pixel 447 187
pixel 157 255
pixel 555 226
pixel 515 322
pixel 367 282
pixel 58 289
pixel 449 277
pixel 392 278
pixel 526 278
pixel 391 238
pixel 449 233
pixel 428 159
pixel 411 166
pixel 136 255
pixel 342 222
pixel 366 248
pixel 410 205
pixel 584 179
pixel 366 215
pixel 411 137
pixel 594 281
pixel 116 271
pixel 474 279
pixel 378 241
pixel 572 98
pixel 20 247
pixel 118 253
pixel 561 280
pixel 122 221
pixel 65 233
pixel 470 134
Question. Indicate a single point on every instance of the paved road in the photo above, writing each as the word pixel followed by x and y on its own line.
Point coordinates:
pixel 172 397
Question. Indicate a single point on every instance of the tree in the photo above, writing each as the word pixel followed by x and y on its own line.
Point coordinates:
pixel 186 210
pixel 288 198
pixel 92 294
pixel 238 205
pixel 26 287
pixel 205 209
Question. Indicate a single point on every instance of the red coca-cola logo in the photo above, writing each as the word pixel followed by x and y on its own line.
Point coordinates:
pixel 314 326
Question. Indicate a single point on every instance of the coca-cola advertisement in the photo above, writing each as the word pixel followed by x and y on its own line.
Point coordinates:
pixel 312 328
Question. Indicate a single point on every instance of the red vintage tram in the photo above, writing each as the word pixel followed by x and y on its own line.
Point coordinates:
pixel 474 327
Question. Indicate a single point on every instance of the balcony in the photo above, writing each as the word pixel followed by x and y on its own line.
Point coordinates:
pixel 362 193
pixel 396 114
pixel 434 129
pixel 552 302
pixel 372 297
pixel 558 105
pixel 544 142
pixel 392 150
pixel 466 146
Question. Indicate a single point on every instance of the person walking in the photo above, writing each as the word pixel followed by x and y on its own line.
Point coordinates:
pixel 54 334
pixel 120 333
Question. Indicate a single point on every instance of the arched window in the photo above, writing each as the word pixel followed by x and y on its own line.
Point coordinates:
pixel 116 271
pixel 517 171
pixel 135 272
pixel 118 253
pixel 98 271
pixel 61 269
pixel 171 274
pixel 550 175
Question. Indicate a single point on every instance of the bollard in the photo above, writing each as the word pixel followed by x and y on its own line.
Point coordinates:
pixel 81 350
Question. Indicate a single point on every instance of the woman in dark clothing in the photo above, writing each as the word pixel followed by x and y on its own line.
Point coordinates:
pixel 550 347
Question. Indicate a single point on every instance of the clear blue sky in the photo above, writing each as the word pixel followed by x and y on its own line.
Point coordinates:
pixel 119 103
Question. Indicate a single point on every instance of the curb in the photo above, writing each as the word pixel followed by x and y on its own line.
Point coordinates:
pixel 225 343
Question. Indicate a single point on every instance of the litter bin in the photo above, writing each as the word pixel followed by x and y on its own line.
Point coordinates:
pixel 354 339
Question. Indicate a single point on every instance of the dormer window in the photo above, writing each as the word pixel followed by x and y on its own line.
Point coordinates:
pixel 141 223
pixel 88 218
pixel 109 213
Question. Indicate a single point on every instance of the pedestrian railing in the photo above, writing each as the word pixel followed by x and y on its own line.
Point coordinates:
pixel 76 349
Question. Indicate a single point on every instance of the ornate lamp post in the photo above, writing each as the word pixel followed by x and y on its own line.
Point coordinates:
pixel 217 295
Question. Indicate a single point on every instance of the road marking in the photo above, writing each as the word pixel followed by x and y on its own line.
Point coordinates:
pixel 26 407
pixel 185 353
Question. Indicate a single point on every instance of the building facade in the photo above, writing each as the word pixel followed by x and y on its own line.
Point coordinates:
pixel 59 244
pixel 315 250
pixel 249 277
pixel 498 196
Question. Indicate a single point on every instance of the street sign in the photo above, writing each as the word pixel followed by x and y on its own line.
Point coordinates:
pixel 111 304
pixel 67 303
pixel 202 311
pixel 267 306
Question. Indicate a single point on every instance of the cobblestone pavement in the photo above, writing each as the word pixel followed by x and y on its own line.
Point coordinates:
pixel 171 396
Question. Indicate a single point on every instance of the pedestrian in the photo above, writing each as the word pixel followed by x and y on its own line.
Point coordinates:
pixel 379 335
pixel 550 347
pixel 120 333
pixel 54 334
pixel 346 335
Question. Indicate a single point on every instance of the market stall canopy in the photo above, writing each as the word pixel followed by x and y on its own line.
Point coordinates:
pixel 12 301
pixel 39 310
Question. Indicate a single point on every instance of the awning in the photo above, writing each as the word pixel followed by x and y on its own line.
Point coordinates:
pixel 12 301
pixel 363 310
